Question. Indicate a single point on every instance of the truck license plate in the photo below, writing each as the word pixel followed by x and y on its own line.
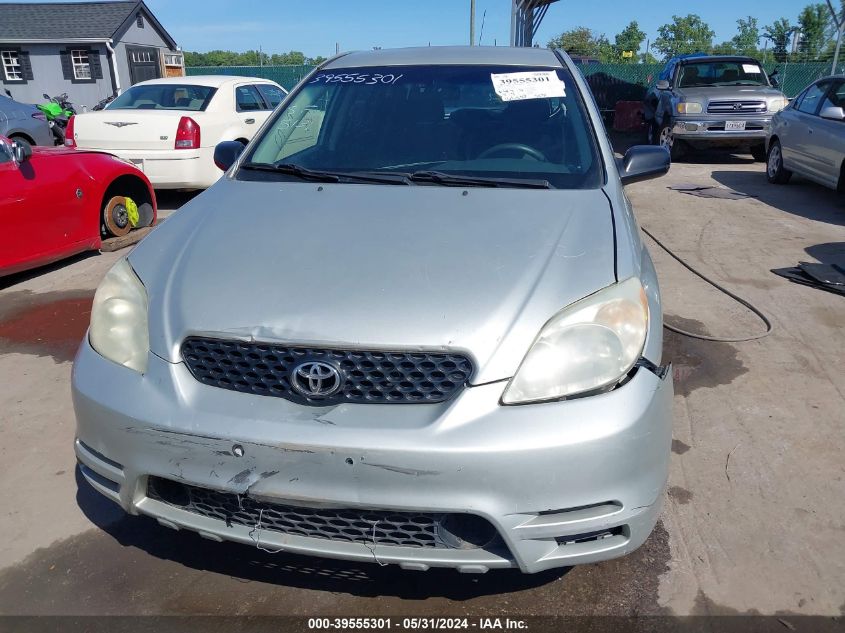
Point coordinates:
pixel 733 126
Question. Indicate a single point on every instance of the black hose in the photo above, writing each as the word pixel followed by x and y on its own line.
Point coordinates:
pixel 740 300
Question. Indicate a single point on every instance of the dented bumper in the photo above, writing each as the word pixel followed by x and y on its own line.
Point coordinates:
pixel 560 483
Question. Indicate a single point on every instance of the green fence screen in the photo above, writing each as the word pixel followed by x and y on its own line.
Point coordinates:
pixel 610 82
pixel 285 76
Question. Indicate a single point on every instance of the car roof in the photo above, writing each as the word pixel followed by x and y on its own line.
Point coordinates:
pixel 447 55
pixel 213 81
pixel 716 58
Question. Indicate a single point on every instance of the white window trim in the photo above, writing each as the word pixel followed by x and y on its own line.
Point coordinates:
pixel 12 69
pixel 76 57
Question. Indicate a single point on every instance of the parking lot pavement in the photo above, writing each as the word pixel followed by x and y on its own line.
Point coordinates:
pixel 754 516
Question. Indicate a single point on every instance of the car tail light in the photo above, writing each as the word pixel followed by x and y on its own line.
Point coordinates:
pixel 38 115
pixel 187 134
pixel 70 141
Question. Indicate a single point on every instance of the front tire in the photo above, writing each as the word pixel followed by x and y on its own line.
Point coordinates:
pixel 665 138
pixel 776 173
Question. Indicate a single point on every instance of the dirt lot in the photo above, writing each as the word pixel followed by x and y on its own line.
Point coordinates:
pixel 754 520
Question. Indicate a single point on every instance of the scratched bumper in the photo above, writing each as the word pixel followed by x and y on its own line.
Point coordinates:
pixel 543 475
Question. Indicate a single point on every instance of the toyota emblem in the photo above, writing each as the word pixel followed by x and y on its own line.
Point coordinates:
pixel 314 379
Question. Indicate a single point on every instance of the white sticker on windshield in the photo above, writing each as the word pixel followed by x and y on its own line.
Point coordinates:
pixel 751 69
pixel 537 84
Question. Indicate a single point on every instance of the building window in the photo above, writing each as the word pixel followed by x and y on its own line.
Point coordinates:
pixel 81 64
pixel 172 59
pixel 12 70
pixel 141 57
pixel 139 21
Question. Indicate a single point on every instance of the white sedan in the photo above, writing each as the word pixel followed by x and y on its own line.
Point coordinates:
pixel 168 127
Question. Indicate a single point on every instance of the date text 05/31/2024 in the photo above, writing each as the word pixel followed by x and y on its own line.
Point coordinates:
pixel 414 624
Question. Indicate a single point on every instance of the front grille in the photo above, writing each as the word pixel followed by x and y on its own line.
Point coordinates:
pixel 365 376
pixel 371 527
pixel 736 107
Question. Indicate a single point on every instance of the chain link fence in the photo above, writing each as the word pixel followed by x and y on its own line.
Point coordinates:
pixel 610 82
pixel 285 76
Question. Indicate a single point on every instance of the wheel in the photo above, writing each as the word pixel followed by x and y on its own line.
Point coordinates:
pixel 665 138
pixel 758 152
pixel 21 141
pixel 116 217
pixel 775 171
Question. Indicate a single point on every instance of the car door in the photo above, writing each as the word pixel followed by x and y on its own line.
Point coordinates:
pixel 798 139
pixel 41 209
pixel 827 144
pixel 18 239
pixel 250 108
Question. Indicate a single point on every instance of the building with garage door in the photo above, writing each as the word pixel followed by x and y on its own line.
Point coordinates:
pixel 90 50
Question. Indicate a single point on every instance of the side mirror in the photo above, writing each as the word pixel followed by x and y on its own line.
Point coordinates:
pixel 643 162
pixel 662 84
pixel 832 112
pixel 226 153
pixel 21 151
pixel 45 95
pixel 773 78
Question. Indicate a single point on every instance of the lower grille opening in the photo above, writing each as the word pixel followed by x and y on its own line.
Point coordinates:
pixel 592 537
pixel 354 525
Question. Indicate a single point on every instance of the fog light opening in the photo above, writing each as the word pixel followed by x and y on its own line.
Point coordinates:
pixel 466 531
pixel 171 492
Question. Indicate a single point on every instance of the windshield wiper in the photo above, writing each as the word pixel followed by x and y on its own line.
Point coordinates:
pixel 291 169
pixel 455 180
pixel 304 173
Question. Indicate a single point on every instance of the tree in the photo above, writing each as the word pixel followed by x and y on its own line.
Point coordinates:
pixel 725 48
pixel 747 37
pixel 630 39
pixel 779 33
pixel 684 35
pixel 582 41
pixel 813 26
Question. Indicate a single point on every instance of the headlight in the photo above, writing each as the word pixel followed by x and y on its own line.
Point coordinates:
pixel 776 105
pixel 689 107
pixel 119 329
pixel 589 345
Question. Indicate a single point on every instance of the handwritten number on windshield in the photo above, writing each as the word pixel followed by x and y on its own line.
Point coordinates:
pixel 356 78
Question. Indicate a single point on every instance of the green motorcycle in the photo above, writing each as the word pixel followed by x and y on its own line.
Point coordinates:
pixel 58 111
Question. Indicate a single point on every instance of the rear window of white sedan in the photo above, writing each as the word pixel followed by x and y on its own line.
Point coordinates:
pixel 164 97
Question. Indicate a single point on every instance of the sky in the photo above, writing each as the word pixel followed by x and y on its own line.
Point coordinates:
pixel 315 27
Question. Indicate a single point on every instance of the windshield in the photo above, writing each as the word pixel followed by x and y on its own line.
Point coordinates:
pixel 722 73
pixel 164 97
pixel 511 123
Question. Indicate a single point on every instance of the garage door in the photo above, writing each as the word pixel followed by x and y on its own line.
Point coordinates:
pixel 143 63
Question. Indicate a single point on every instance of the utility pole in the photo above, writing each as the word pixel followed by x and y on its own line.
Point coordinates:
pixel 840 24
pixel 472 22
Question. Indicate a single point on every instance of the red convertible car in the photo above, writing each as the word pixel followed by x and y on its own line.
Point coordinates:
pixel 56 202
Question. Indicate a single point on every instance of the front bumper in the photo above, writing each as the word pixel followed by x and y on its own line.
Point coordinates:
pixel 713 129
pixel 543 475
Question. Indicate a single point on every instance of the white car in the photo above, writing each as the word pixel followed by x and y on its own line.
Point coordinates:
pixel 168 127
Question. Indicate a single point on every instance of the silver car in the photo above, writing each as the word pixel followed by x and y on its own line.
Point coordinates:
pixel 413 323
pixel 23 123
pixel 808 137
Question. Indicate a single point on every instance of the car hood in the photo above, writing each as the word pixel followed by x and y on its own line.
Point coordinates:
pixel 375 267
pixel 730 93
